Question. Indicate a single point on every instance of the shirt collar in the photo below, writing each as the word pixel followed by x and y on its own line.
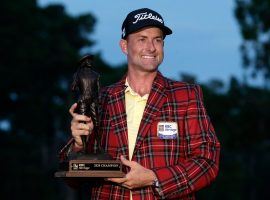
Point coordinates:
pixel 132 92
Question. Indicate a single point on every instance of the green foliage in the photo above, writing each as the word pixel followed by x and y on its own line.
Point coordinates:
pixel 253 17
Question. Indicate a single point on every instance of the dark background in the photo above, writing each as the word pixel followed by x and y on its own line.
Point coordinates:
pixel 39 51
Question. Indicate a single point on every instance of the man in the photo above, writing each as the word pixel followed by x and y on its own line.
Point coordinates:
pixel 157 127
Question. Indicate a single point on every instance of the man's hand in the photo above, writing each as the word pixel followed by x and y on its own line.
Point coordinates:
pixel 138 176
pixel 80 125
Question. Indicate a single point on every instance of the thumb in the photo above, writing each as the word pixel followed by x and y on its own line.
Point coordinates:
pixel 125 161
pixel 72 109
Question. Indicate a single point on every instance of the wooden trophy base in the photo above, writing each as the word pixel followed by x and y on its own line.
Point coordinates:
pixel 87 167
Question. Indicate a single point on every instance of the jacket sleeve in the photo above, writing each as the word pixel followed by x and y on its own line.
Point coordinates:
pixel 201 165
pixel 65 151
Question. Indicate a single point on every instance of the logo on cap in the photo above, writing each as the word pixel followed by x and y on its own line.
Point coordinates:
pixel 124 32
pixel 143 16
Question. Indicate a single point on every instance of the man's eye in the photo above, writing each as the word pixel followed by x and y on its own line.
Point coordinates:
pixel 159 40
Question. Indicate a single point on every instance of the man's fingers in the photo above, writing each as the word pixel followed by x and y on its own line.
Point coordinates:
pixel 117 180
pixel 124 182
pixel 82 126
pixel 80 132
pixel 81 129
pixel 77 126
pixel 76 116
pixel 81 118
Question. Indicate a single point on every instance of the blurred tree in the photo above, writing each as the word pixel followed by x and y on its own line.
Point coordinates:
pixel 39 53
pixel 241 117
pixel 253 17
pixel 189 78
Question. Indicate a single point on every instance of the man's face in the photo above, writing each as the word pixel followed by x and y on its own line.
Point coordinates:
pixel 144 49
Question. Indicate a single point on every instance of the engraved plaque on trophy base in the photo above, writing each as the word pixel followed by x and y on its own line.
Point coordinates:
pixel 93 168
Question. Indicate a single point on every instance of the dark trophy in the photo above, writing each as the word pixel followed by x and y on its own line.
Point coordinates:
pixel 84 164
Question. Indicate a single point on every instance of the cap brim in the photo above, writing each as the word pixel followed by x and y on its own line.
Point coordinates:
pixel 166 30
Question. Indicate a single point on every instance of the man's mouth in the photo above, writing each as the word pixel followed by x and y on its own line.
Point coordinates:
pixel 148 57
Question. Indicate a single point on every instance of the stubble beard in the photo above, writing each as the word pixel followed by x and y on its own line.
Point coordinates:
pixel 151 67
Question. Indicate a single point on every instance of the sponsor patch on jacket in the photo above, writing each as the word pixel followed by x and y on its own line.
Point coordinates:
pixel 167 130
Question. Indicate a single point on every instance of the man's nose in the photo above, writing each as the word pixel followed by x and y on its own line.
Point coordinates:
pixel 151 46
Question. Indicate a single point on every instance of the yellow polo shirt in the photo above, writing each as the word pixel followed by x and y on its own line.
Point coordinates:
pixel 135 105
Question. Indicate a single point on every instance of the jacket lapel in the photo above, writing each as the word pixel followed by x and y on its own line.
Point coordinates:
pixel 156 99
pixel 118 115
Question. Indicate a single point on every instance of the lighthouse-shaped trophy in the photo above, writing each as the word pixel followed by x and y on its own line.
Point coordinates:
pixel 84 164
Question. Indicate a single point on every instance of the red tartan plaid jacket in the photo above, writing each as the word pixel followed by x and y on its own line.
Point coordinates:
pixel 182 165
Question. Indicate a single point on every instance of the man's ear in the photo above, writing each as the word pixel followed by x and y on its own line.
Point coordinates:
pixel 123 46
